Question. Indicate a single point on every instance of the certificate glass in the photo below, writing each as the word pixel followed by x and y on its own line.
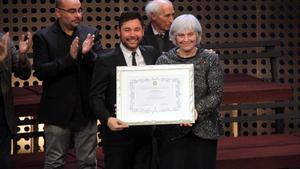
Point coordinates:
pixel 156 94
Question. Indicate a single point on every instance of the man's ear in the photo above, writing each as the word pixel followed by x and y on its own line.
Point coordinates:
pixel 153 16
pixel 143 27
pixel 118 30
pixel 57 13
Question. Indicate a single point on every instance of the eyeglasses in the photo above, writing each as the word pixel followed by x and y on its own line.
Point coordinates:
pixel 72 11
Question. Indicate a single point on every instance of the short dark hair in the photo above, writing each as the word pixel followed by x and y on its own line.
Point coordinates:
pixel 129 15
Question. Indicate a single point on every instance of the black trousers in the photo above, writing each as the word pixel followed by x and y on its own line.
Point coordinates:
pixel 124 150
pixel 189 152
pixel 4 142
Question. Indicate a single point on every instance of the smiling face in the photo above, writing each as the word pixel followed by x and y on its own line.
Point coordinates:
pixel 186 41
pixel 131 34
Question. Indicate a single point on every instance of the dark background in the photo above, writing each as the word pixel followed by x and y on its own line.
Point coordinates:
pixel 221 20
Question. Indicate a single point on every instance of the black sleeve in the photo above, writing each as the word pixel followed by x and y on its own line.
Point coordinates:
pixel 44 67
pixel 99 86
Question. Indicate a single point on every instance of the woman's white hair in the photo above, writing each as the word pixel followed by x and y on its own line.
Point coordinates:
pixel 185 22
pixel 153 7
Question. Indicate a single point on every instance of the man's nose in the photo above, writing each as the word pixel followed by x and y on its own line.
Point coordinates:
pixel 132 33
pixel 78 14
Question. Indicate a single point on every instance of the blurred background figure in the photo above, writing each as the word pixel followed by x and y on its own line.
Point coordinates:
pixel 161 14
pixel 11 60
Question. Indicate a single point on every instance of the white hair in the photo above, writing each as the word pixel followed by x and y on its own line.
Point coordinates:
pixel 185 22
pixel 153 7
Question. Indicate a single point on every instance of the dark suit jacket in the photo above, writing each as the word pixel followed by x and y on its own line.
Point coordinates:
pixel 103 87
pixel 23 71
pixel 149 39
pixel 66 81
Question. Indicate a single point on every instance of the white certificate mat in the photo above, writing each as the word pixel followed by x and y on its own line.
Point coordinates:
pixel 156 94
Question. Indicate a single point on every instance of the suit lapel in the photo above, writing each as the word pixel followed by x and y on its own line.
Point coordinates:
pixel 150 36
pixel 120 59
pixel 149 29
pixel 80 34
pixel 147 57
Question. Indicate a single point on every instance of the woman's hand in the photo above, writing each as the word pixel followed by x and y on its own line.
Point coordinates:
pixel 190 124
pixel 186 124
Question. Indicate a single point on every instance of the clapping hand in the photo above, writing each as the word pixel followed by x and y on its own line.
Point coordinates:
pixel 88 43
pixel 74 48
pixel 25 43
pixel 4 47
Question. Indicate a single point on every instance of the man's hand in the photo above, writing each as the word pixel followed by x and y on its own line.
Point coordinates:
pixel 115 124
pixel 74 48
pixel 88 43
pixel 24 45
pixel 4 47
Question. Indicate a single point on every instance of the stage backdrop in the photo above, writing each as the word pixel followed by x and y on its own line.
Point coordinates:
pixel 222 21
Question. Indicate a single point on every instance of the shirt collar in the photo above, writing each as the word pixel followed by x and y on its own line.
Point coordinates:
pixel 155 32
pixel 127 52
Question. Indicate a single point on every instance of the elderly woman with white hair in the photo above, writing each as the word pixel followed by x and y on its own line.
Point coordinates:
pixel 193 146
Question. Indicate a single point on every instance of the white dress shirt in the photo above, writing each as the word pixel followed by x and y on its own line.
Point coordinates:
pixel 128 56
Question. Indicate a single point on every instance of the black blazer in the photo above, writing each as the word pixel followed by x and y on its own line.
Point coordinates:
pixel 103 94
pixel 103 87
pixel 66 81
pixel 149 39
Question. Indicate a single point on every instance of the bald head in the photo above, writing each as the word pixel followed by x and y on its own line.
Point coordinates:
pixel 60 3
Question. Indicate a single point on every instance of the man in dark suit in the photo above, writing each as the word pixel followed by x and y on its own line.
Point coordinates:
pixel 161 14
pixel 11 60
pixel 64 55
pixel 124 148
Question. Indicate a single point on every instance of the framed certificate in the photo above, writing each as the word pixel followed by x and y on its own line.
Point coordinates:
pixel 156 94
